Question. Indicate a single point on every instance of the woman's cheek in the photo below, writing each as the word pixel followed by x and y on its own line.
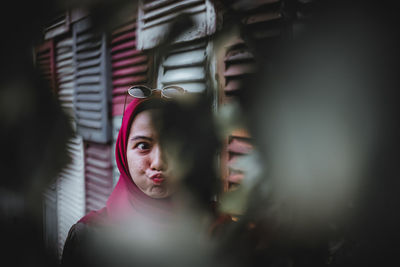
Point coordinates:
pixel 133 162
pixel 140 164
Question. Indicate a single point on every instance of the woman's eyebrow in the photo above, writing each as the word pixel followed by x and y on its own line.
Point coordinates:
pixel 136 137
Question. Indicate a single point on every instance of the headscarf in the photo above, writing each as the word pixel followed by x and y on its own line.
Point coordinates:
pixel 127 199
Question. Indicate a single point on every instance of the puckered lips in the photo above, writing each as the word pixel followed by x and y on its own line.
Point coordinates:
pixel 157 178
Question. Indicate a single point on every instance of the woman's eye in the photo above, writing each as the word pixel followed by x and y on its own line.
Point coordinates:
pixel 143 146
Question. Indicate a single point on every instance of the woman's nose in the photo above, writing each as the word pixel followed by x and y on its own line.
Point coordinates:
pixel 158 161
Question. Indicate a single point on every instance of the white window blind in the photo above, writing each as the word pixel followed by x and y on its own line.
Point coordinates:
pixel 92 92
pixel 155 17
pixel 65 70
pixel 98 175
pixel 70 191
pixel 185 65
pixel 58 26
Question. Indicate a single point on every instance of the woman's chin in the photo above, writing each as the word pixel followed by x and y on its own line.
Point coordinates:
pixel 158 192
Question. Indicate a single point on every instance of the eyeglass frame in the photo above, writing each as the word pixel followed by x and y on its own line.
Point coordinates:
pixel 181 89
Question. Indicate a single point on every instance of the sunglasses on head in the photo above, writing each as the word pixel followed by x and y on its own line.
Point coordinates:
pixel 142 91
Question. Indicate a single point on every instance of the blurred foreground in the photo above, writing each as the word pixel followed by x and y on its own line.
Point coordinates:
pixel 313 180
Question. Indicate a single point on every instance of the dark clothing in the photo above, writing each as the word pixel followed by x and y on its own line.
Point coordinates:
pixel 76 246
pixel 88 245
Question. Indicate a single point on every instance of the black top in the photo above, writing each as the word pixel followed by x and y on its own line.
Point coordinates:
pixel 76 246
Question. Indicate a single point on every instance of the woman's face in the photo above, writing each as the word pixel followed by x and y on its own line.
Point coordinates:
pixel 146 162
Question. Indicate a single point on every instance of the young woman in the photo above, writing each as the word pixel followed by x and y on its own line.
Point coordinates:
pixel 147 183
pixel 144 186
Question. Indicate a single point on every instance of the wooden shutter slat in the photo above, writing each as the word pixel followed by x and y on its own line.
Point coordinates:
pixel 171 8
pixel 98 163
pixel 89 124
pixel 86 55
pixel 191 74
pixel 60 25
pixel 89 97
pixel 189 58
pixel 85 37
pixel 88 80
pixel 123 37
pixel 90 71
pixel 117 91
pixel 130 61
pixel 130 70
pixel 88 63
pixel 87 114
pixel 235 56
pixel 90 107
pixel 239 146
pixel 130 80
pixel 95 178
pixel 87 88
pixel 88 46
pixel 66 92
pixel 149 5
pixel 239 69
pixel 129 27
pixel 130 44
pixel 125 54
pixel 233 85
pixel 152 22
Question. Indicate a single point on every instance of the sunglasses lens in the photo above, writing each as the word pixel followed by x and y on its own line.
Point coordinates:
pixel 172 91
pixel 139 91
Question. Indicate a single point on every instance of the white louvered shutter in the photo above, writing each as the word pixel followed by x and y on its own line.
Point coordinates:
pixel 71 191
pixel 186 66
pixel 71 181
pixel 65 70
pixel 155 17
pixel 98 175
pixel 59 25
pixel 92 89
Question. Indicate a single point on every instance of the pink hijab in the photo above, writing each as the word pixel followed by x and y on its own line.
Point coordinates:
pixel 127 199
